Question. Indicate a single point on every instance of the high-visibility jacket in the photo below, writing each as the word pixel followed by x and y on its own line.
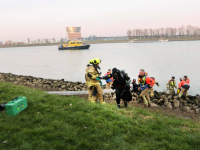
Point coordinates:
pixel 171 84
pixel 145 74
pixel 87 79
pixel 183 82
pixel 93 74
pixel 110 79
pixel 188 81
pixel 145 82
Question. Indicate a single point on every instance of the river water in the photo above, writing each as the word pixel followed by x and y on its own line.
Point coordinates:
pixel 160 60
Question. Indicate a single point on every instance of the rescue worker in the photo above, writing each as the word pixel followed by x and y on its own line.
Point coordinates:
pixel 145 83
pixel 151 86
pixel 171 84
pixel 187 80
pixel 135 86
pixel 184 86
pixel 121 84
pixel 94 83
pixel 110 80
pixel 87 79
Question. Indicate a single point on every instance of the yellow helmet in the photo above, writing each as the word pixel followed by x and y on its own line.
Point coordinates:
pixel 96 61
pixel 91 61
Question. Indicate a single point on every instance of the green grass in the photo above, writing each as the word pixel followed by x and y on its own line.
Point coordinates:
pixel 50 123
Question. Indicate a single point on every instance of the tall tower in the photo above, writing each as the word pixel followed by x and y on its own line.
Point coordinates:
pixel 73 33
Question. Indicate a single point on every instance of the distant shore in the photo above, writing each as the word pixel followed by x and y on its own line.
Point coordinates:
pixel 108 41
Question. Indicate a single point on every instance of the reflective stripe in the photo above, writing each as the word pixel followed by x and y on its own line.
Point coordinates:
pixel 91 84
pixel 143 80
pixel 94 76
pixel 143 83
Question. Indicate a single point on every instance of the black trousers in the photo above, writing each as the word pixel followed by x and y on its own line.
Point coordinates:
pixel 121 93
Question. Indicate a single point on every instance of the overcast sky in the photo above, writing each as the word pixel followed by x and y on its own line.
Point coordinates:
pixel 20 19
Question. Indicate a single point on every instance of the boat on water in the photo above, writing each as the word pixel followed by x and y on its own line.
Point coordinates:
pixel 76 45
pixel 161 40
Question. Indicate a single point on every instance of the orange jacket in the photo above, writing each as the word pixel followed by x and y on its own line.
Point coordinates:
pixel 150 81
pixel 182 83
pixel 188 81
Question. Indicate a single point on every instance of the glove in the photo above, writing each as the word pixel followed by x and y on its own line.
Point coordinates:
pixel 112 87
pixel 157 84
pixel 152 95
pixel 98 79
pixel 100 82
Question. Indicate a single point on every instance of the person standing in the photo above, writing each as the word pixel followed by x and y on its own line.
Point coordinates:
pixel 171 84
pixel 87 79
pixel 110 80
pixel 94 83
pixel 121 84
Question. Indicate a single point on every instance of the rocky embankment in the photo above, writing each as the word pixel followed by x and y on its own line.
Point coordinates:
pixel 189 104
pixel 41 83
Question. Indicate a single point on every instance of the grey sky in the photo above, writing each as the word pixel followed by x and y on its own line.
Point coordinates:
pixel 21 19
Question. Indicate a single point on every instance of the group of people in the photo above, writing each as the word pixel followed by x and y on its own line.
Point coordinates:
pixel 120 81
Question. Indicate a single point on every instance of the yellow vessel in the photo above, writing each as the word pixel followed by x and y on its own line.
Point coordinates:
pixel 73 45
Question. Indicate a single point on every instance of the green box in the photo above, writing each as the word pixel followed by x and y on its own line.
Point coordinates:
pixel 15 106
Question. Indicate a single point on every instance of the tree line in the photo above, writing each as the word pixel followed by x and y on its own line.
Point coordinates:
pixel 169 32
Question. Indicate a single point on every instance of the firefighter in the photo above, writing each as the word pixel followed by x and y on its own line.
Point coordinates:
pixel 94 84
pixel 145 84
pixel 187 79
pixel 88 80
pixel 171 84
pixel 121 84
pixel 135 86
pixel 184 87
pixel 110 80
pixel 151 87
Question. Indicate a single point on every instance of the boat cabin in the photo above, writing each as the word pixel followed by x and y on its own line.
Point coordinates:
pixel 73 43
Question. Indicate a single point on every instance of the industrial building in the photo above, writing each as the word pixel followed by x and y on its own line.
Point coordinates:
pixel 73 33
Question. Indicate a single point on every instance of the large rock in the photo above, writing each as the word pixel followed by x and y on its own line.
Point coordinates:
pixel 160 100
pixel 165 99
pixel 63 86
pixel 196 111
pixel 176 104
pixel 186 108
pixel 169 97
pixel 168 104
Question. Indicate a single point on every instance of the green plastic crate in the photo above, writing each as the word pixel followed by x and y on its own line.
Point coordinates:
pixel 15 106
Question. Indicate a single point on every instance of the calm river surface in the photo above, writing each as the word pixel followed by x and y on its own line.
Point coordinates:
pixel 160 60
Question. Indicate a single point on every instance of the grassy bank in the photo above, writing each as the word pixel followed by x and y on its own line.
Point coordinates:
pixel 56 122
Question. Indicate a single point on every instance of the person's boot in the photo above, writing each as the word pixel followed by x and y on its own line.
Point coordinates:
pixel 145 106
pixel 125 103
pixel 149 104
pixel 118 105
pixel 92 101
pixel 103 103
